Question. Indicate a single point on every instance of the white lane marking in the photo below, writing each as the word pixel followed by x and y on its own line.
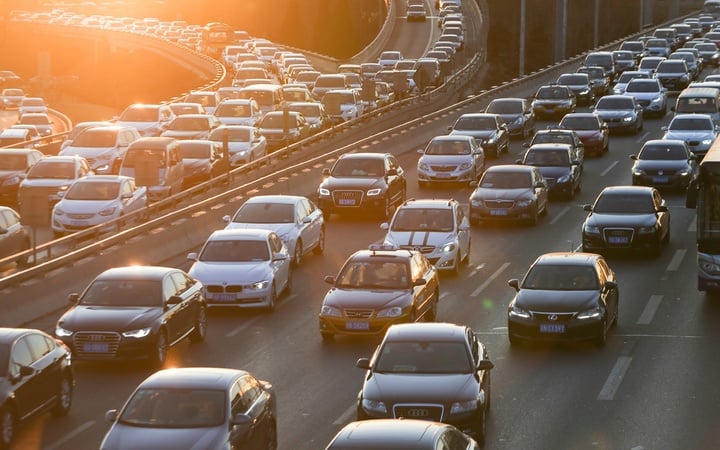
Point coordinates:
pixel 650 309
pixel 476 269
pixel 643 138
pixel 443 295
pixel 615 378
pixel 559 215
pixel 676 260
pixel 693 225
pixel 345 416
pixel 606 171
pixel 492 277
pixel 59 443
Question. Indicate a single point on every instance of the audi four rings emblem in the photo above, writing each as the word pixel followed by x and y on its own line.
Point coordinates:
pixel 552 317
pixel 417 413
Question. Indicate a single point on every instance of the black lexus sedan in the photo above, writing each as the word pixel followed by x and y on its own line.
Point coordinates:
pixel 134 312
pixel 564 296
pixel 36 375
pixel 433 371
pixel 627 218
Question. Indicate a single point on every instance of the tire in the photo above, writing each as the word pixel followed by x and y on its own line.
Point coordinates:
pixel 198 334
pixel 273 298
pixel 65 395
pixel 666 239
pixel 297 254
pixel 601 340
pixel 271 438
pixel 320 247
pixel 159 354
pixel 615 319
pixel 7 427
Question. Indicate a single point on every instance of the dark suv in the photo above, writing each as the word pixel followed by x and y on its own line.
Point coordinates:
pixel 361 182
pixel 562 173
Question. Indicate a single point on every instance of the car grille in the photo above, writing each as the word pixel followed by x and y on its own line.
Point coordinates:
pixel 96 344
pixel 422 249
pixel 661 172
pixel 217 289
pixel 443 168
pixel 644 103
pixel 347 198
pixel 419 411
pixel 550 182
pixel 552 317
pixel 618 237
pixel 613 120
pixel 693 143
pixel 359 313
pixel 80 216
pixel 499 203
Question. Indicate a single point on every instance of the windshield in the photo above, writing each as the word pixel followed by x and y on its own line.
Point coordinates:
pixel 424 357
pixel 136 154
pixel 95 190
pixel 238 250
pixel 417 219
pixel 573 79
pixel 364 274
pixel 649 64
pixel 143 114
pixel 175 408
pixel 195 150
pixel 671 67
pixel 330 82
pixel 663 152
pixel 96 137
pixel 627 76
pixel 624 203
pixel 60 170
pixel 334 100
pixel 123 293
pixel 33 119
pixel 276 121
pixel 548 93
pixel 233 110
pixel 475 123
pixel 506 180
pixel 13 162
pixel 547 157
pixel 643 87
pixel 696 104
pixel 265 213
pixel 203 99
pixel 186 123
pixel 690 124
pixel 311 110
pixel 505 107
pixel 656 43
pixel 615 103
pixel 443 147
pixel 549 138
pixel 580 123
pixel 356 167
pixel 561 277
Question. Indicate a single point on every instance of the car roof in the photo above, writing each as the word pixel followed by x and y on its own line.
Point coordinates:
pixel 364 155
pixel 628 190
pixel 436 203
pixel 509 168
pixel 398 433
pixel 679 142
pixel 103 178
pixel 483 114
pixel 135 272
pixel 568 258
pixel 274 198
pixel 692 116
pixel 452 137
pixel 239 234
pixel 550 146
pixel 193 377
pixel 435 331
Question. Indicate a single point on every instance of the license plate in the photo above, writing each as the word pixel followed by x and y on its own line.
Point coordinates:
pixel 346 201
pixel 498 212
pixel 660 179
pixel 617 240
pixel 79 223
pixel 552 328
pixel 224 297
pixel 357 325
pixel 95 347
pixel 442 175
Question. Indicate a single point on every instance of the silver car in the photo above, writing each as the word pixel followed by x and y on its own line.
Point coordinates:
pixel 451 159
pixel 651 95
pixel 697 130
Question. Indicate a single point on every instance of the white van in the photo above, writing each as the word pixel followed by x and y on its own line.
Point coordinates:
pixel 700 100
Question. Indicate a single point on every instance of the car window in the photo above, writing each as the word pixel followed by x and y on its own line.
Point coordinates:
pixel 663 152
pixel 424 357
pixel 423 219
pixel 250 390
pixel 621 202
pixel 175 408
pixel 365 274
pixel 182 282
pixel 4 222
pixel 353 167
pixel 235 251
pixel 123 293
pixel 506 180
pixel 269 212
pixel 548 157
pixel 560 277
pixel 21 356
pixel 275 243
pixel 443 147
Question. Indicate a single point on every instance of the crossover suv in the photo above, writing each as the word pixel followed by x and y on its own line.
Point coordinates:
pixel 562 173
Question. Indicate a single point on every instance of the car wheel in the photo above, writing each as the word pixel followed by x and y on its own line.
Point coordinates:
pixel 7 427
pixel 273 297
pixel 297 254
pixel 666 239
pixel 271 438
pixel 160 352
pixel 200 330
pixel 615 319
pixel 602 337
pixel 320 247
pixel 64 400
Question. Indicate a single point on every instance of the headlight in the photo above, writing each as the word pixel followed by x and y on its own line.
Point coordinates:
pixel 62 332
pixel 375 406
pixel 515 311
pixel 563 179
pixel 395 311
pixel 524 203
pixel 58 212
pixel 656 100
pixel 476 202
pixel 710 268
pixel 617 90
pixel 628 119
pixel 330 311
pixel 12 180
pixel 707 141
pixel 490 141
pixel 260 285
pixel 646 230
pixel 590 314
pixel 638 172
pixel 109 211
pixel 585 92
pixel 423 166
pixel 465 165
pixel 590 229
pixel 141 333
pixel 463 407
pixel 373 192
pixel 448 247
pixel 324 191
pixel 684 78
pixel 684 172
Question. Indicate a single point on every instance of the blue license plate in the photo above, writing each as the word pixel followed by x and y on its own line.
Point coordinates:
pixel 95 347
pixel 346 201
pixel 617 240
pixel 224 297
pixel 660 179
pixel 552 328
pixel 357 325
pixel 498 212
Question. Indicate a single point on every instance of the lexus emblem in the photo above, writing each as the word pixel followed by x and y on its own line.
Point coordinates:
pixel 552 317
pixel 660 172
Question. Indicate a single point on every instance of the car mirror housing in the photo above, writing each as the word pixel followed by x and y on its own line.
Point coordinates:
pixel 329 279
pixel 391 172
pixel 111 415
pixel 514 283
pixel 587 208
pixel 74 297
pixel 363 363
pixel 485 364
pixel 326 171
pixel 419 282
pixel 174 300
pixel 610 285
pixel 662 208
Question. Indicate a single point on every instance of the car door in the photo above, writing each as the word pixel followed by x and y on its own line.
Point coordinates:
pixel 394 180
pixel 608 297
pixel 310 231
pixel 29 387
pixel 478 156
pixel 190 305
pixel 280 267
pixel 420 267
pixel 175 315
pixel 244 401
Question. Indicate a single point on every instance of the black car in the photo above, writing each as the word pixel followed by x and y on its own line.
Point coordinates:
pixel 553 100
pixel 626 218
pixel 488 129
pixel 562 173
pixel 580 84
pixel 516 112
pixel 434 371
pixel 599 78
pixel 36 375
pixel 559 136
pixel 363 182
pixel 620 113
pixel 134 312
pixel 564 296
pixel 196 408
pixel 664 163
pixel 673 74
pixel 14 236
pixel 14 165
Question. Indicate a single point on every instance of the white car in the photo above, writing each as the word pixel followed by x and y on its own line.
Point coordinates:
pixel 297 220
pixel 451 158
pixel 388 58
pixel 32 105
pixel 52 175
pixel 96 199
pixel 191 126
pixel 11 97
pixel 438 228
pixel 245 144
pixel 149 119
pixel 239 111
pixel 103 147
pixel 342 105
pixel 246 268
pixel 41 121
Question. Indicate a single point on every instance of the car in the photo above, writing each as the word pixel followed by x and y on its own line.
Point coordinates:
pixel 103 147
pixel 181 108
pixel 620 113
pixel 411 434
pixel 673 74
pixel 37 375
pixel 314 114
pixel 709 53
pixel 624 60
pixel 697 130
pixel 14 165
pixel 651 95
pixel 363 182
pixel 41 121
pixel 692 60
pixel 634 46
pixel 82 126
pixel 564 296
pixel 657 47
pixel 245 144
pixel 377 288
pixel 208 99
pixel 149 119
pixel 591 129
pixel 489 130
pixel 453 158
pixel 436 227
pixel 243 268
pixel 599 77
pixel 560 136
pixel 437 371
pixel 516 113
pixel 648 64
pixel 191 126
pixel 430 73
pixel 664 163
pixel 343 105
pixel 32 105
pixel 327 82
pixel 182 406
pixel 604 59
pixel 14 236
pixel 624 78
pixel 50 176
pixel 416 13
pixel 134 313
pixel 508 192
pixel 562 173
pixel 626 218
pixel 239 111
pixel 388 58
pixel 94 200
pixel 296 219
pixel 11 98
pixel 552 100
pixel 202 160
pixel 581 86
pixel 19 136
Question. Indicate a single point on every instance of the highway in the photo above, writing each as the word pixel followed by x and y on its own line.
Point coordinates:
pixel 651 387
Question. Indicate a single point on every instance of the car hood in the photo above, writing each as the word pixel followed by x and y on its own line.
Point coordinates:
pixel 84 206
pixel 230 272
pixel 124 436
pixel 501 194
pixel 553 171
pixel 689 135
pixel 238 146
pixel 357 298
pixel 421 388
pixel 586 134
pixel 86 152
pixel 556 300
pixel 352 183
pixel 621 220
pixel 109 318
pixel 661 165
pixel 247 121
pixel 419 238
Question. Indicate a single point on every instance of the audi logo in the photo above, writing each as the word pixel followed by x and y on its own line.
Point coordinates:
pixel 417 413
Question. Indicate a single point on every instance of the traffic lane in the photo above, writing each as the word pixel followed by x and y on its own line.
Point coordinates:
pixel 413 39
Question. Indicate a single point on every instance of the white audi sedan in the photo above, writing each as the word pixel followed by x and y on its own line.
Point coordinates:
pixel 96 199
pixel 247 268
pixel 297 220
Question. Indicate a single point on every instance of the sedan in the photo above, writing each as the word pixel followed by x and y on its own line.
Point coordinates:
pixel 664 163
pixel 620 112
pixel 41 121
pixel 36 375
pixel 516 113
pixel 297 220
pixel 627 218
pixel 96 199
pixel 196 408
pixel 14 165
pixel 451 158
pixel 191 126
pixel 489 130
pixel 562 173
pixel 591 129
pixel 11 98
pixel 437 371
pixel 553 100
pixel 314 113
pixel 281 130
pixel 564 296
pixel 134 312
pixel 202 160
pixel 243 268
pixel 14 236
pixel 244 144
pixel 581 86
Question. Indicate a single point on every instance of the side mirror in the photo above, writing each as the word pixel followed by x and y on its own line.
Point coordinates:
pixel 279 256
pixel 192 256
pixel 384 226
pixel 610 285
pixel 111 415
pixel 526 144
pixel 449 128
pixel 329 279
pixel 326 172
pixel 633 157
pixel 419 282
pixel 514 283
pixel 485 364
pixel 391 172
pixel 662 208
pixel 518 161
pixel 174 300
pixel 420 151
pixel 587 208
pixel 363 363
pixel 74 297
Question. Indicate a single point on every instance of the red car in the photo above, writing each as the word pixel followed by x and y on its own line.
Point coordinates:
pixel 591 129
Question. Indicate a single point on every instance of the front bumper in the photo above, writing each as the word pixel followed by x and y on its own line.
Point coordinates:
pixel 230 296
pixel 349 201
pixel 560 330
pixel 345 326
pixel 621 239
pixel 454 175
pixel 482 211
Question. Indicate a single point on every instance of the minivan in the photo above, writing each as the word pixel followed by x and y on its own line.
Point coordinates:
pixel 701 100
pixel 155 162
